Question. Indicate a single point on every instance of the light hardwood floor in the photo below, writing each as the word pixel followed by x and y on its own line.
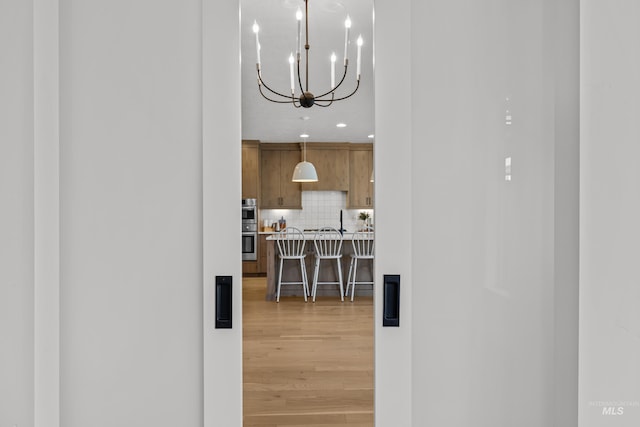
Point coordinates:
pixel 306 364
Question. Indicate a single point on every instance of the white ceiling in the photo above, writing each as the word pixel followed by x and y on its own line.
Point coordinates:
pixel 270 122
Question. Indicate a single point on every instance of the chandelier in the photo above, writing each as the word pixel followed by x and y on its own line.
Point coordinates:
pixel 307 99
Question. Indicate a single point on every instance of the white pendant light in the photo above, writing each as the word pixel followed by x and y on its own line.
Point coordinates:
pixel 305 171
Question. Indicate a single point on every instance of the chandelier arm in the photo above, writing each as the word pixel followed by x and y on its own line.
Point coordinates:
pixel 337 86
pixel 304 94
pixel 262 83
pixel 300 79
pixel 329 102
pixel 344 97
pixel 292 101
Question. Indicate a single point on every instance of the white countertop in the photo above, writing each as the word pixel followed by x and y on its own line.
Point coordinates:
pixel 308 235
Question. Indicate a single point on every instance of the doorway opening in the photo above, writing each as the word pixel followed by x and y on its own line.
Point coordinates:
pixel 308 362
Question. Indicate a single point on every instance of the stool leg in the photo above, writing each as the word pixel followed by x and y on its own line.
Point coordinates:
pixel 279 281
pixel 340 278
pixel 346 292
pixel 306 275
pixel 304 279
pixel 353 279
pixel 315 279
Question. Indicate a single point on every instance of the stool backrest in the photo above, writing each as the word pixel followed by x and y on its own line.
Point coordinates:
pixel 363 243
pixel 328 242
pixel 290 242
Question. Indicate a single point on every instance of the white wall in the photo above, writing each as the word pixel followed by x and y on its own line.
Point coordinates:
pixel 46 160
pixel 609 212
pixel 16 214
pixel 131 213
pixel 484 270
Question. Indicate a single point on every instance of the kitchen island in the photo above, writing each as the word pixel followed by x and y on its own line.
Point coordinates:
pixel 328 270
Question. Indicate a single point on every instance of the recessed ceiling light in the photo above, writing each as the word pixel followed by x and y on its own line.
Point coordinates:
pixel 305 118
pixel 304 135
pixel 341 125
pixel 370 136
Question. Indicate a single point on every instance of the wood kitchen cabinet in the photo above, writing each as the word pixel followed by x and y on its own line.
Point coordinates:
pixel 249 268
pixel 360 170
pixel 250 169
pixel 331 161
pixel 277 162
pixel 262 253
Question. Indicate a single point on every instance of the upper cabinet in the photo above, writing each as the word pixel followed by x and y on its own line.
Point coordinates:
pixel 331 161
pixel 267 170
pixel 360 173
pixel 250 169
pixel 277 162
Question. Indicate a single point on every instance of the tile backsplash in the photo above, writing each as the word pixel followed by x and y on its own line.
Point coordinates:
pixel 319 209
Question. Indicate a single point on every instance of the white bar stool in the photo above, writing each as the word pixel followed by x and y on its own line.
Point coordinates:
pixel 363 248
pixel 328 245
pixel 291 243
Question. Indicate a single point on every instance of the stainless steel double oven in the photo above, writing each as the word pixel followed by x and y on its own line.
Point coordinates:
pixel 249 230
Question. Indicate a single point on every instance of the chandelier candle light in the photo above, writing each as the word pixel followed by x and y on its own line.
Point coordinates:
pixel 307 99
